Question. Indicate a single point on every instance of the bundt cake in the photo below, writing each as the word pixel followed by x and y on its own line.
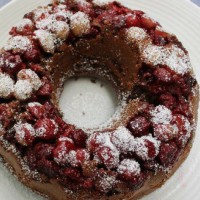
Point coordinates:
pixel 144 142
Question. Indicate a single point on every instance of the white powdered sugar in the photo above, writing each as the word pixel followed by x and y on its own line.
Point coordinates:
pixel 80 23
pixel 136 34
pixel 82 3
pixel 101 2
pixel 60 28
pixel 42 11
pixel 106 182
pixel 128 166
pixel 33 104
pixel 31 76
pixel 172 56
pixel 6 86
pixel 161 115
pixel 142 148
pixel 46 39
pixel 21 130
pixel 23 23
pixel 21 43
pixel 123 139
pixel 23 90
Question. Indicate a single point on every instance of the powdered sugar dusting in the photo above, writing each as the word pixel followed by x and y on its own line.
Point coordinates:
pixel 130 167
pixel 123 139
pixel 46 40
pixel 172 56
pixel 161 115
pixel 80 23
pixel 135 34
pixel 101 2
pixel 142 147
pixel 6 86
pixel 23 23
pixel 18 43
pixel 23 89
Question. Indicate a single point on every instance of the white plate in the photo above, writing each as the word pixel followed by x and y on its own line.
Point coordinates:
pixel 178 16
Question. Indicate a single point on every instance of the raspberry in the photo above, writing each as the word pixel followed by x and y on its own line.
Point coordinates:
pixel 73 173
pixel 168 152
pixel 165 132
pixel 46 89
pixel 162 75
pixel 184 129
pixel 168 100
pixel 128 170
pixel 78 157
pixel 79 137
pixel 32 55
pixel 36 109
pixel 139 126
pixel 147 147
pixel 109 157
pixel 25 134
pixel 46 129
pixel 123 140
pixel 62 149
pixel 148 23
pixel 43 150
pixel 87 184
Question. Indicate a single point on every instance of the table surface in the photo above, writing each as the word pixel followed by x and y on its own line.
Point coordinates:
pixel 3 2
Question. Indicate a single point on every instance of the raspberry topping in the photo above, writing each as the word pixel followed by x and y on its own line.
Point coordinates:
pixel 46 128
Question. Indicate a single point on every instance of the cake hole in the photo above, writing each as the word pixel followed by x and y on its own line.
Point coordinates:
pixel 88 102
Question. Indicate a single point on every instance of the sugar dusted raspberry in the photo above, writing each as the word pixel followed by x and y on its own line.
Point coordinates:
pixel 167 154
pixel 46 40
pixel 128 169
pixel 163 75
pixel 18 44
pixel 62 149
pixel 32 55
pixel 165 132
pixel 80 23
pixel 25 133
pixel 108 156
pixel 135 34
pixel 147 147
pixel 72 173
pixel 184 129
pixel 97 140
pixel 43 151
pixel 36 109
pixel 139 126
pixel 25 27
pixel 46 89
pixel 101 2
pixel 123 140
pixel 105 181
pixel 46 128
pixel 78 157
pixel 23 90
pixel 147 22
pixel 161 115
pixel 31 76
pixel 6 86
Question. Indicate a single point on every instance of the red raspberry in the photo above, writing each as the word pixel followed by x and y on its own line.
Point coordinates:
pixel 132 20
pixel 147 147
pixel 163 75
pixel 46 129
pixel 148 23
pixel 79 137
pixel 184 129
pixel 139 126
pixel 128 170
pixel 168 100
pixel 78 157
pixel 168 152
pixel 63 147
pixel 108 156
pixel 32 55
pixel 165 132
pixel 45 89
pixel 36 109
pixel 43 150
pixel 25 134
pixel 88 184
pixel 73 173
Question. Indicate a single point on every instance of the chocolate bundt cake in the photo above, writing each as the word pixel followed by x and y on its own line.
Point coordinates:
pixel 144 142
